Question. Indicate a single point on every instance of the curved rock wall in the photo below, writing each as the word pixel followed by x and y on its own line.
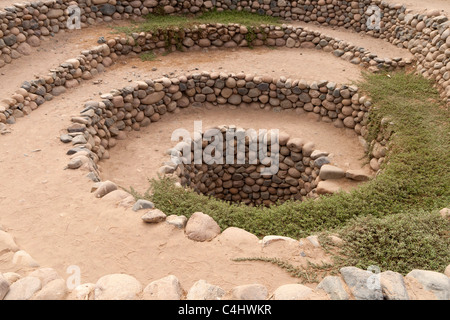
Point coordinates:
pixel 290 167
pixel 90 62
pixel 426 36
pixel 101 123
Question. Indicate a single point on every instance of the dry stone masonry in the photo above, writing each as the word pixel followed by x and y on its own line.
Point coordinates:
pixel 425 35
pixel 101 123
pixel 292 166
pixel 90 63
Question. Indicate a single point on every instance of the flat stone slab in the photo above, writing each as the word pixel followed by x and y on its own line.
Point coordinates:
pixel 328 172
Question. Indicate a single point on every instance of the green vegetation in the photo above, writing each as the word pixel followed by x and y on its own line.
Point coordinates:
pixel 390 221
pixel 155 22
pixel 148 56
pixel 402 242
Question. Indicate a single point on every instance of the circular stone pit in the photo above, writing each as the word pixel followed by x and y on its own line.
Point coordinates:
pixel 243 165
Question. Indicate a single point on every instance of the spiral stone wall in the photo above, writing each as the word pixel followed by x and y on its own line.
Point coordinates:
pixel 93 61
pixel 102 123
pixel 426 36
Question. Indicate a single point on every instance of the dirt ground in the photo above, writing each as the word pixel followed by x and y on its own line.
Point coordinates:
pixel 53 216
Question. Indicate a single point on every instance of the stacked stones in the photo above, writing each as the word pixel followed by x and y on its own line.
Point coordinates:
pixel 379 147
pixel 131 108
pixel 233 35
pixel 424 34
pixel 69 74
pixel 290 171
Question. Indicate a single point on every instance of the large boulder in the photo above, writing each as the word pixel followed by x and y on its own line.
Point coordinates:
pixel 249 292
pixel 201 227
pixel 238 238
pixel 436 282
pixel 117 287
pixel 334 287
pixel 292 292
pixel 202 290
pixel 167 288
pixel 54 290
pixel 154 216
pixel 393 286
pixel 328 172
pixel 361 284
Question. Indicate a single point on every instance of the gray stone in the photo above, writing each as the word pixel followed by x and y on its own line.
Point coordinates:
pixel 104 188
pixel 75 163
pixel 143 204
pixel 79 139
pixel 108 9
pixel 436 282
pixel 235 99
pixel 357 175
pixel 177 221
pixel 319 162
pixel 328 172
pixel 318 153
pixel 10 40
pixel 361 284
pixel 393 286
pixel 202 290
pixel 154 216
pixel 56 91
pixel 65 138
pixel 334 287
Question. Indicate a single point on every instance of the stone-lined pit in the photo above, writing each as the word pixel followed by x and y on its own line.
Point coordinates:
pixel 288 170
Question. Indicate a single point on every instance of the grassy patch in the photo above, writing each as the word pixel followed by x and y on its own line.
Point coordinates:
pixel 416 179
pixel 399 243
pixel 148 56
pixel 155 22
